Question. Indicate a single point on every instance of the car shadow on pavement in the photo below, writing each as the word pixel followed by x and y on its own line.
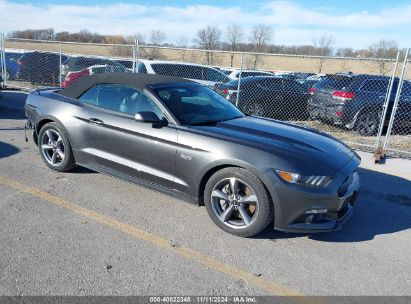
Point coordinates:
pixel 383 207
pixel 7 150
pixel 6 113
pixel 81 170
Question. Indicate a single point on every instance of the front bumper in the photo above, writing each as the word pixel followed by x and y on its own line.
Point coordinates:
pixel 336 201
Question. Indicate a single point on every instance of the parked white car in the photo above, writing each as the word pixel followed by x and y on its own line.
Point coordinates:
pixel 196 72
pixel 248 73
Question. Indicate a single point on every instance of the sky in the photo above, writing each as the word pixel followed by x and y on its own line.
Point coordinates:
pixel 355 24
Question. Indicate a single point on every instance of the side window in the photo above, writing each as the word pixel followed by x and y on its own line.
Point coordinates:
pixel 213 75
pixel 141 68
pixel 188 71
pixel 125 100
pixel 98 70
pixel 144 104
pixel 247 74
pixel 164 69
pixel 293 86
pixel 406 88
pixel 111 96
pixel 108 69
pixel 90 96
pixel 252 73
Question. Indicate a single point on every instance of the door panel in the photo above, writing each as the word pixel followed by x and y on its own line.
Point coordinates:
pixel 133 148
pixel 118 142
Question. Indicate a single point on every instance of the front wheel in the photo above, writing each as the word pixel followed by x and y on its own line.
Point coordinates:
pixel 54 147
pixel 237 202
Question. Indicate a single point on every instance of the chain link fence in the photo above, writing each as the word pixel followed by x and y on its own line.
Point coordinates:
pixel 397 139
pixel 352 99
pixel 3 70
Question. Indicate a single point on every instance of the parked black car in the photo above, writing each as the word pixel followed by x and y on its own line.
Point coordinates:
pixel 40 68
pixel 356 101
pixel 273 97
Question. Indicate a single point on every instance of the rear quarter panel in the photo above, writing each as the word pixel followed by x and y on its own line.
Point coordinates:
pixel 65 111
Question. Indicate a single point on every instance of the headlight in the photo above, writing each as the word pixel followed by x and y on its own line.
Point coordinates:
pixel 304 180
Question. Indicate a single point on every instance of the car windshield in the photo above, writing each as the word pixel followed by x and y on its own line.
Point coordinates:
pixel 333 82
pixel 194 104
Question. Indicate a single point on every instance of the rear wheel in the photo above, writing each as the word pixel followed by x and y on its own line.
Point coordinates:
pixel 255 108
pixel 367 123
pixel 237 202
pixel 54 147
pixel 313 113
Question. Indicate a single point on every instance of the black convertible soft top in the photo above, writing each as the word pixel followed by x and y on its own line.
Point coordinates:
pixel 138 81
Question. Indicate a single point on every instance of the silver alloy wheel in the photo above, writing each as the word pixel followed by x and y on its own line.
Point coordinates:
pixel 234 203
pixel 52 147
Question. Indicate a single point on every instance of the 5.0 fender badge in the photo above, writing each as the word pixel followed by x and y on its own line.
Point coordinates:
pixel 186 157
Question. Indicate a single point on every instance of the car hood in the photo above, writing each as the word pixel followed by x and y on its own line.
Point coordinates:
pixel 301 147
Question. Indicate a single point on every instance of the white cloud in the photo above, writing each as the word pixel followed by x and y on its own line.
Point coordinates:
pixel 293 23
pixel 289 13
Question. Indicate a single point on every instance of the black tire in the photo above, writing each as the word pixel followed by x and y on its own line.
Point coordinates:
pixel 62 164
pixel 313 113
pixel 255 108
pixel 263 209
pixel 367 123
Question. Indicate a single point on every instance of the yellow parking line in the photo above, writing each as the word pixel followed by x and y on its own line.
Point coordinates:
pixel 198 257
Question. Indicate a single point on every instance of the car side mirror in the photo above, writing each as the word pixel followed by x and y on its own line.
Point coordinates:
pixel 146 116
pixel 150 117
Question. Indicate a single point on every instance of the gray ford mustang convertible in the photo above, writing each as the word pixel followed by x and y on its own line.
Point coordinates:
pixel 184 139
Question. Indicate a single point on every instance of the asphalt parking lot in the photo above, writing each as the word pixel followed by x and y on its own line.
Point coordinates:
pixel 84 233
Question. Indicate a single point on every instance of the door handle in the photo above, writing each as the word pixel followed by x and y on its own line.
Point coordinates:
pixel 96 121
